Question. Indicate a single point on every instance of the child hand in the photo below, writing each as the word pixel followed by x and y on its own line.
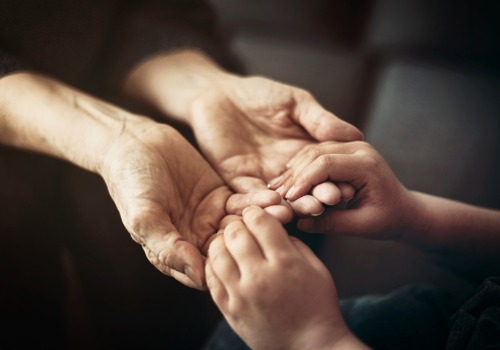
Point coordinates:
pixel 381 206
pixel 271 288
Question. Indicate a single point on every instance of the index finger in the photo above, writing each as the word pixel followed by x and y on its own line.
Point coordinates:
pixel 253 191
pixel 334 167
pixel 268 232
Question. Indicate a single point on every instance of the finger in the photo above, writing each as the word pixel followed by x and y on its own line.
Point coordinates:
pixel 268 232
pixel 291 164
pixel 327 193
pixel 303 158
pixel 347 191
pixel 242 246
pixel 246 184
pixel 334 167
pixel 283 212
pixel 226 220
pixel 278 181
pixel 258 194
pixel 321 124
pixel 217 245
pixel 262 198
pixel 216 288
pixel 310 153
pixel 222 261
pixel 307 206
pixel 178 259
pixel 307 155
pixel 206 246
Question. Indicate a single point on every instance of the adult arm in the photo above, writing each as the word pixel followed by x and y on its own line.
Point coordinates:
pixel 171 57
pixel 247 127
pixel 146 166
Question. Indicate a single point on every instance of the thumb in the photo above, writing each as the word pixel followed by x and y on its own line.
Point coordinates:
pixel 321 124
pixel 170 253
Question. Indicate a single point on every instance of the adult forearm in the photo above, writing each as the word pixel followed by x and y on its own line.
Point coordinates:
pixel 170 83
pixel 440 222
pixel 43 115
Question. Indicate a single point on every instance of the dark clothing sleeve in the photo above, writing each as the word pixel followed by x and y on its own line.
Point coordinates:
pixel 148 28
pixel 10 63
pixel 94 43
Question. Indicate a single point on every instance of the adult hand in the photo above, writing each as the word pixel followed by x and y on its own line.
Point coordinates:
pixel 249 128
pixel 169 198
pixel 272 289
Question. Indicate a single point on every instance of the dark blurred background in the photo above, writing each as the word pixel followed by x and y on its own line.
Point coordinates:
pixel 419 77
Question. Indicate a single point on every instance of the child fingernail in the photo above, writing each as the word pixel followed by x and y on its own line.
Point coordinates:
pixel 274 182
pixel 318 214
pixel 279 189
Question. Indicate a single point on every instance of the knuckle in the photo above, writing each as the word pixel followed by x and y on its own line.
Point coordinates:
pixel 303 94
pixel 165 257
pixel 215 258
pixel 231 232
pixel 325 161
pixel 256 287
pixel 364 147
pixel 284 262
pixel 299 178
pixel 237 306
pixel 368 154
pixel 258 218
pixel 312 153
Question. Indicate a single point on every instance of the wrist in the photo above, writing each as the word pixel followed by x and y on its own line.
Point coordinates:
pixel 170 83
pixel 334 337
pixel 132 136
pixel 419 218
pixel 338 340
pixel 44 115
pixel 348 342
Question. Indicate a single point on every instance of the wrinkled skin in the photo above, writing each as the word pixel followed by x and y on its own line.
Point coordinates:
pixel 249 128
pixel 169 198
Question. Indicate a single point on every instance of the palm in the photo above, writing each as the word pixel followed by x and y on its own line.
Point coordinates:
pixel 250 131
pixel 169 198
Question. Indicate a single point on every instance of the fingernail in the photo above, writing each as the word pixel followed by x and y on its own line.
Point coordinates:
pixel 274 181
pixel 244 210
pixel 318 214
pixel 279 189
pixel 188 271
pixel 290 192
